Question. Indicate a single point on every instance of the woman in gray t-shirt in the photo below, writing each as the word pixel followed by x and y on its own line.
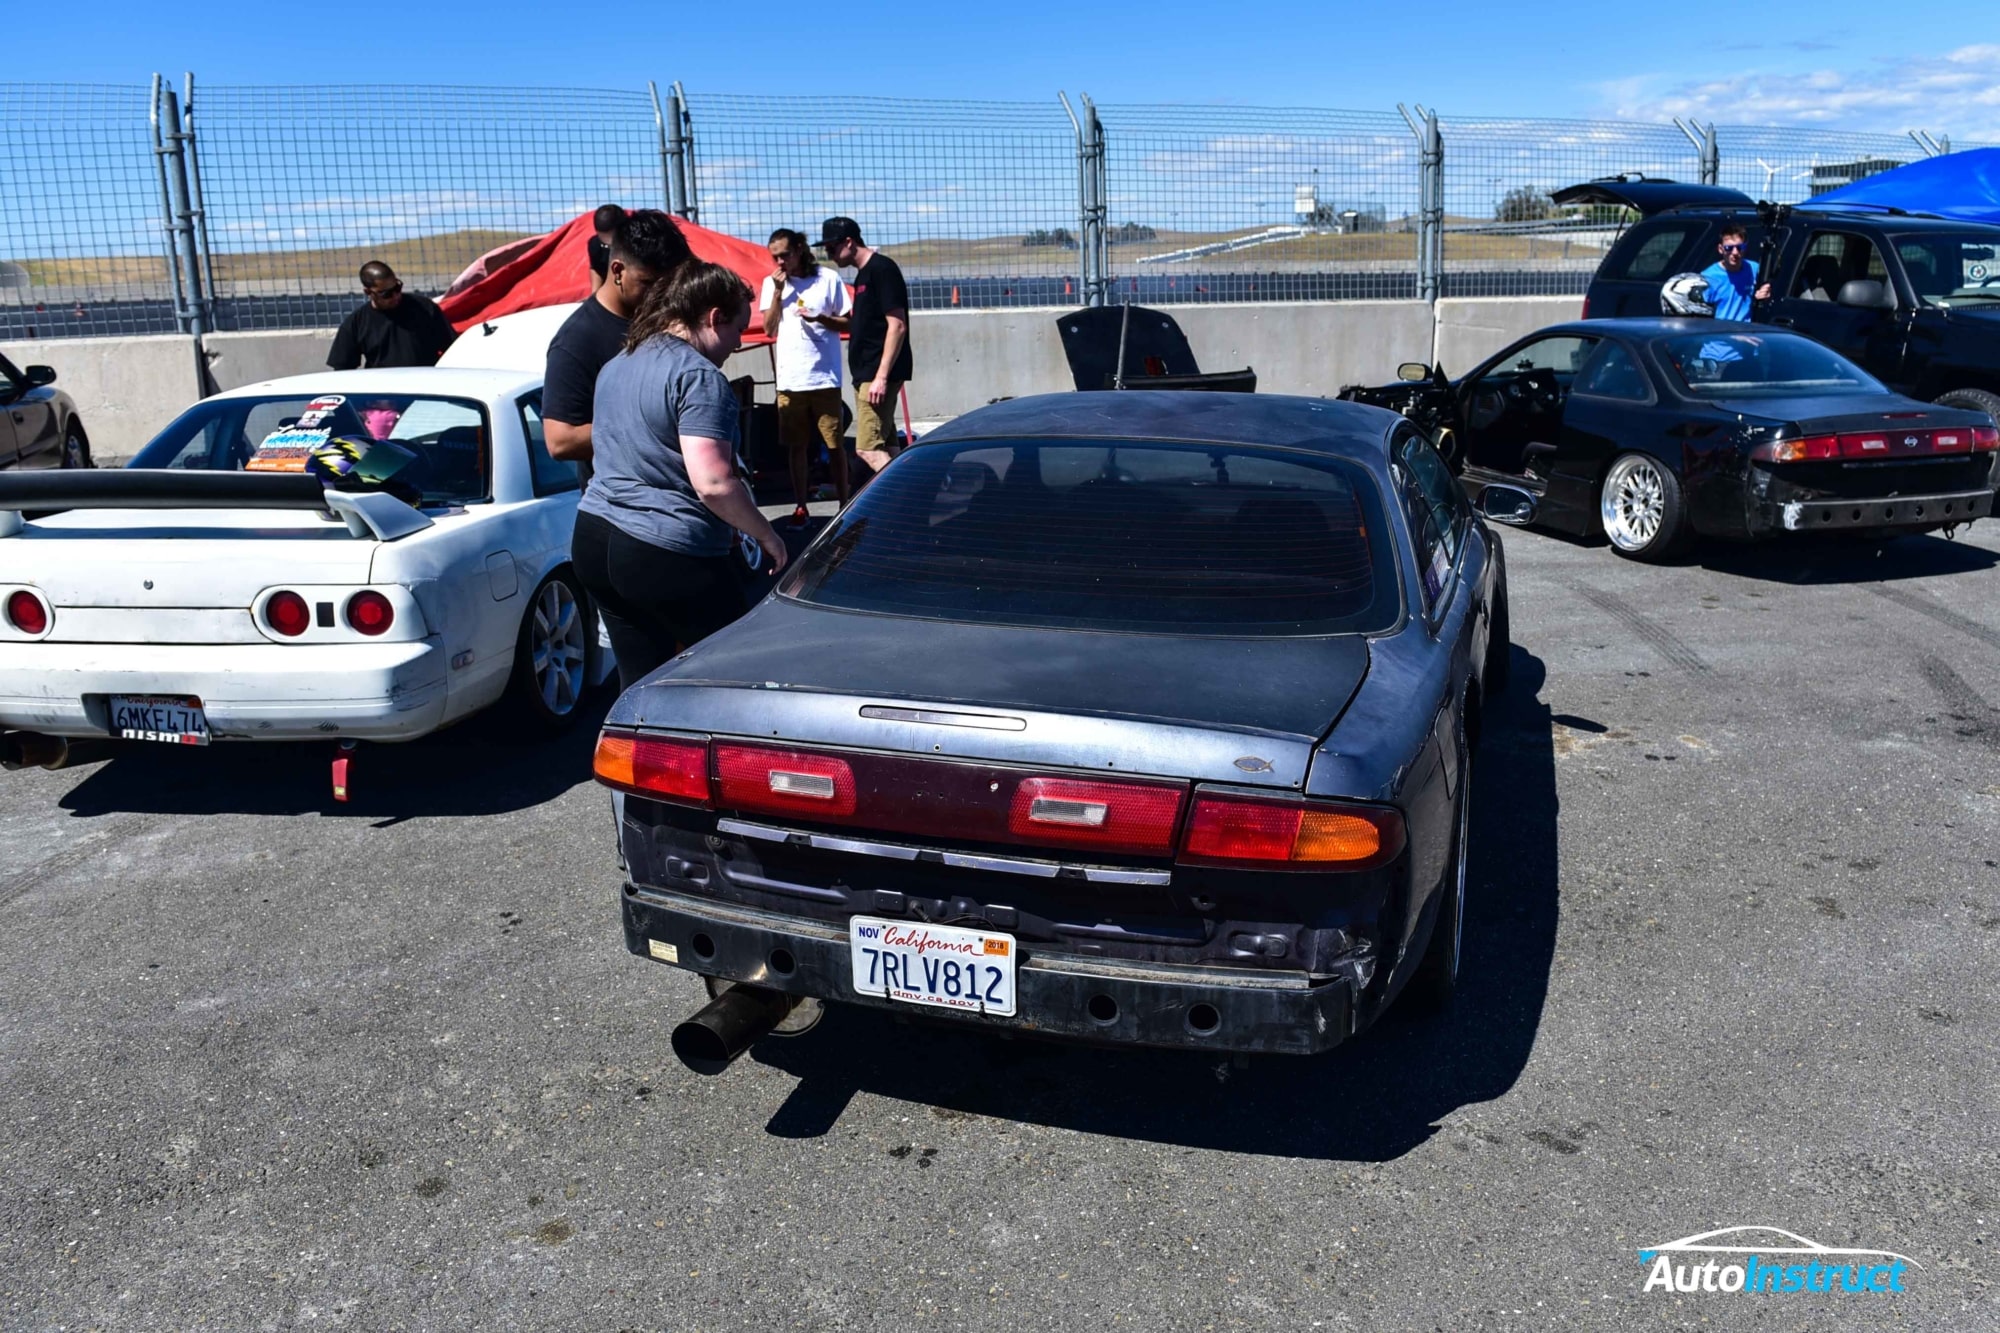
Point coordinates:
pixel 665 500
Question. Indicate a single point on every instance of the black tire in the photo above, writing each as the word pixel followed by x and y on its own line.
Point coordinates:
pixel 1973 400
pixel 543 690
pixel 1432 985
pixel 1640 509
pixel 76 448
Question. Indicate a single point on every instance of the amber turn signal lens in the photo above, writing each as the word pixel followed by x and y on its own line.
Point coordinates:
pixel 666 767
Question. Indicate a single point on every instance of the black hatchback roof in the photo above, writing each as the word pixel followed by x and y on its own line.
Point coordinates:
pixel 1321 425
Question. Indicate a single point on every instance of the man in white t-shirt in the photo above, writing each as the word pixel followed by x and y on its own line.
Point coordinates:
pixel 794 300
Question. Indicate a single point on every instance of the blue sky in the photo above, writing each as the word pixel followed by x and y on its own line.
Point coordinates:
pixel 1830 63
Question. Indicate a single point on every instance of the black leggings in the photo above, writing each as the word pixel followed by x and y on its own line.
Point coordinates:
pixel 654 602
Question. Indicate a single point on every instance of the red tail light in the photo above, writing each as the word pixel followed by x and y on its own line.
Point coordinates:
pixel 1985 439
pixel 1266 834
pixel 665 767
pixel 1805 448
pixel 288 614
pixel 1867 444
pixel 751 777
pixel 1109 816
pixel 370 613
pixel 26 613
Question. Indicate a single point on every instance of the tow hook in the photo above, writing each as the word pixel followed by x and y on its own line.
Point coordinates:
pixel 341 763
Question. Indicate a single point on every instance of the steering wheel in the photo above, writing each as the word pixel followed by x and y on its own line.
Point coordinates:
pixel 1543 393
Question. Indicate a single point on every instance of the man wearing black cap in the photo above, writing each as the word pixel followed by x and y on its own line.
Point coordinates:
pixel 878 345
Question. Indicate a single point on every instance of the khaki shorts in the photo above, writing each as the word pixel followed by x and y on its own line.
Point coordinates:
pixel 875 427
pixel 804 411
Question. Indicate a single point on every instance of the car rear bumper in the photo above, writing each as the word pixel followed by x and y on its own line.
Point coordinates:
pixel 1889 512
pixel 368 691
pixel 1155 1004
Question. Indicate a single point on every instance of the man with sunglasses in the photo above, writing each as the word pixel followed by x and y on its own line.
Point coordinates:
pixel 394 327
pixel 1732 280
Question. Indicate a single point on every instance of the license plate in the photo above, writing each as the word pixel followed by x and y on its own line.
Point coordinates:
pixel 174 719
pixel 945 966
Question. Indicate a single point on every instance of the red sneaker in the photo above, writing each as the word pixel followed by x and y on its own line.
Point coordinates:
pixel 799 517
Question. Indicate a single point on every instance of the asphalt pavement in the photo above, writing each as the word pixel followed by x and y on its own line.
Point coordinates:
pixel 269 1063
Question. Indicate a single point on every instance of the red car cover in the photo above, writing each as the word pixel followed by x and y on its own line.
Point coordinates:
pixel 555 269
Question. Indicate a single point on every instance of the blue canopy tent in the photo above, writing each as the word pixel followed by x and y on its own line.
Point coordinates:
pixel 1964 186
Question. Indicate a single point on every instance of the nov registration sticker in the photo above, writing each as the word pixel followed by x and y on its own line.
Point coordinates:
pixel 170 718
pixel 948 967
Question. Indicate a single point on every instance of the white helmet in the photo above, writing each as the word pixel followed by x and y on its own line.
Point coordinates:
pixel 1686 294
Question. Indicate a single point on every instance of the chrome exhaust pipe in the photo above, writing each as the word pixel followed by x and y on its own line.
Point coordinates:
pixel 724 1028
pixel 31 749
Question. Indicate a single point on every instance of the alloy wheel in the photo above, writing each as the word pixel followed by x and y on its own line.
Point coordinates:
pixel 556 648
pixel 1634 503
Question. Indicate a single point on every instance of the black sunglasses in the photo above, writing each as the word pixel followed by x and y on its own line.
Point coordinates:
pixel 393 289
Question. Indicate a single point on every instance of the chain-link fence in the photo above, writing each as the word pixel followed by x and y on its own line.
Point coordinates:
pixel 982 203
pixel 82 250
pixel 976 200
pixel 1244 204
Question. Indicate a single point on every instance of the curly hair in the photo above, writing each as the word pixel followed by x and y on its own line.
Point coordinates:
pixel 684 299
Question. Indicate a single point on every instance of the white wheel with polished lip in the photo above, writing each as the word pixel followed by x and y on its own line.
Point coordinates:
pixel 1640 507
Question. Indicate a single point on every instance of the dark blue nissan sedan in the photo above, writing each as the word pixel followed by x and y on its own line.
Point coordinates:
pixel 1142 718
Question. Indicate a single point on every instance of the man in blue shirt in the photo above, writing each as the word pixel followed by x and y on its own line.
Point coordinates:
pixel 1732 280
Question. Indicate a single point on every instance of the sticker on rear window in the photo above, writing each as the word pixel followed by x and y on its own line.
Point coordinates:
pixel 286 450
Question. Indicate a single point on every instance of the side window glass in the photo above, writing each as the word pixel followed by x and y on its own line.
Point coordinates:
pixel 1652 260
pixel 552 476
pixel 1436 509
pixel 1612 373
pixel 1564 355
pixel 1833 258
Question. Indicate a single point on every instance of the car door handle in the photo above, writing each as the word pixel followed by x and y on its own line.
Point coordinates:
pixel 1785 320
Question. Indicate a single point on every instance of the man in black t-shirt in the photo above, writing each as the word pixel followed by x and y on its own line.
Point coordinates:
pixel 395 327
pixel 645 247
pixel 878 343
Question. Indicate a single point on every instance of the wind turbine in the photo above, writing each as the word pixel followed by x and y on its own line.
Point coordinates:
pixel 1770 174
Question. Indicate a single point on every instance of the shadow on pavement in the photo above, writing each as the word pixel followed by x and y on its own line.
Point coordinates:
pixel 1812 558
pixel 1373 1099
pixel 486 765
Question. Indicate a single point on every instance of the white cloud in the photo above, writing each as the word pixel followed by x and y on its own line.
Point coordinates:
pixel 1957 93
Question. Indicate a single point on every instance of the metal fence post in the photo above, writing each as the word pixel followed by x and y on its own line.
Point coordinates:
pixel 1931 146
pixel 1704 141
pixel 1430 201
pixel 675 148
pixel 160 151
pixel 1095 238
pixel 1082 202
pixel 666 154
pixel 199 230
pixel 183 214
pixel 684 127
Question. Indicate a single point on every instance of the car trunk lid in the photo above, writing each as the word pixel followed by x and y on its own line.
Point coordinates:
pixel 1245 711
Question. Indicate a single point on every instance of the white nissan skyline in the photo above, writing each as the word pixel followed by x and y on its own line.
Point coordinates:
pixel 214 591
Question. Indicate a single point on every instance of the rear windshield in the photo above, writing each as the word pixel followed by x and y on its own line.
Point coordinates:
pixel 272 434
pixel 1739 365
pixel 1145 537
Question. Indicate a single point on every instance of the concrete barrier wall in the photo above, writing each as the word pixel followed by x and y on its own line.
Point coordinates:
pixel 1470 329
pixel 237 359
pixel 127 388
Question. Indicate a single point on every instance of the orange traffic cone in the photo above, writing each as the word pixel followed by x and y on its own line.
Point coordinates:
pixel 954 296
pixel 1066 287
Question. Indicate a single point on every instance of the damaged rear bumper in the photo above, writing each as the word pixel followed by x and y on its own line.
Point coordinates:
pixel 1058 994
pixel 1892 512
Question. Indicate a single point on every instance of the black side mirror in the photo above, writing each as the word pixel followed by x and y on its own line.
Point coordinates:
pixel 1865 294
pixel 1507 504
pixel 39 375
pixel 1413 372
